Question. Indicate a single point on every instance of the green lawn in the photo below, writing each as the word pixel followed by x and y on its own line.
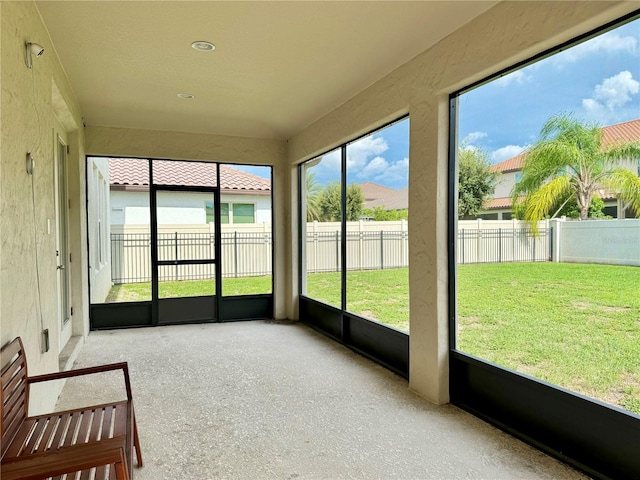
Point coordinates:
pixel 381 295
pixel 574 325
pixel 135 292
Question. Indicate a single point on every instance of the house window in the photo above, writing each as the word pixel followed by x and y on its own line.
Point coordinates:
pixel 224 212
pixel 243 213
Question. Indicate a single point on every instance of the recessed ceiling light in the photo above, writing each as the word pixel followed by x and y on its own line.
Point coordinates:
pixel 186 95
pixel 203 46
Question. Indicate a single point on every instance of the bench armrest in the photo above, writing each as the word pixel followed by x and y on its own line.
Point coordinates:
pixel 86 371
pixel 69 460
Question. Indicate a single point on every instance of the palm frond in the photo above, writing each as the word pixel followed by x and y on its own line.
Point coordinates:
pixel 538 204
pixel 626 184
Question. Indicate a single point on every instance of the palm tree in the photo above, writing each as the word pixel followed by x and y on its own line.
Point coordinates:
pixel 570 159
pixel 312 191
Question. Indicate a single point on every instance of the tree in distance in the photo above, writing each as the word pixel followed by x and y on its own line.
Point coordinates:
pixel 330 202
pixel 476 180
pixel 312 190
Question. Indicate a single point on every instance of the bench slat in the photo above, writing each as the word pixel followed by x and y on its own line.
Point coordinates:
pixel 17 367
pixel 35 436
pixel 52 426
pixel 98 414
pixel 73 423
pixel 62 425
pixel 9 351
pixel 15 448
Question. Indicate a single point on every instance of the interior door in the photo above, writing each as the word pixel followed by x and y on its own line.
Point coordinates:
pixel 63 279
pixel 185 253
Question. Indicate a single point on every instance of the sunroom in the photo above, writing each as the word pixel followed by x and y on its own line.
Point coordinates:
pixel 243 136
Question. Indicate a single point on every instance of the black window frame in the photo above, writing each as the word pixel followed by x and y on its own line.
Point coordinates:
pixel 600 439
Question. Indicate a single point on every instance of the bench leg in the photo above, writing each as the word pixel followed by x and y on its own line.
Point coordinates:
pixel 136 442
pixel 122 472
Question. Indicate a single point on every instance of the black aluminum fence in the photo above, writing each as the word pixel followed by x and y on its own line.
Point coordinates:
pixel 246 254
pixel 503 245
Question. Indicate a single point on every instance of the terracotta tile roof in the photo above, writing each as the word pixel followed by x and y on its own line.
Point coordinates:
pixel 512 164
pixel 125 172
pixel 376 195
pixel 493 203
pixel 626 132
pixel 505 202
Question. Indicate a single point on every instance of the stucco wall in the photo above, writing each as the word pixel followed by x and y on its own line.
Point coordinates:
pixel 31 101
pixel 507 33
pixel 506 181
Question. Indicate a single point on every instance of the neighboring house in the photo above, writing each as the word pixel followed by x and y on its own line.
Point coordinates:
pixel 244 197
pixel 499 207
pixel 376 195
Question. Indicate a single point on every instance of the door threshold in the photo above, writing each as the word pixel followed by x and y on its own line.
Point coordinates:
pixel 70 352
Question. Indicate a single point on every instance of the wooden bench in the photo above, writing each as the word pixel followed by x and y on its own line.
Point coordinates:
pixel 98 440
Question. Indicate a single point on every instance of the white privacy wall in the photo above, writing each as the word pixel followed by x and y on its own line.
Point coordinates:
pixel 612 242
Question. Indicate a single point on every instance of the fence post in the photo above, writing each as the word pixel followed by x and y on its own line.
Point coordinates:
pixel 235 253
pixel 360 252
pixel 315 246
pixel 534 248
pixel 462 245
pixel 499 245
pixel 381 249
pixel 478 240
pixel 403 249
pixel 337 251
pixel 175 239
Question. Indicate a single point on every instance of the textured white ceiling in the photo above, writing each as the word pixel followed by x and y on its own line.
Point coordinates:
pixel 277 67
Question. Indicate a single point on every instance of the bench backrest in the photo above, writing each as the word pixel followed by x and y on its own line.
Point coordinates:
pixel 15 390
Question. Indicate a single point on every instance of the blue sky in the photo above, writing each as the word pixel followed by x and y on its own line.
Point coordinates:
pixel 597 81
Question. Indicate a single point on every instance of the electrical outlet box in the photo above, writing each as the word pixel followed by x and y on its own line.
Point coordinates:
pixel 45 340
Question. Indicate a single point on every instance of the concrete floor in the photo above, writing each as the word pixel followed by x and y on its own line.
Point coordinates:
pixel 262 400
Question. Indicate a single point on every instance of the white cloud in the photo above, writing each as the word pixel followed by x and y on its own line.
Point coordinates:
pixel 518 77
pixel 397 173
pixel 507 152
pixel 473 137
pixel 609 42
pixel 360 156
pixel 360 152
pixel 374 168
pixel 614 92
pixel 380 170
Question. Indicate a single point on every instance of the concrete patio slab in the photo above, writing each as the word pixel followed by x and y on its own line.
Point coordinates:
pixel 269 400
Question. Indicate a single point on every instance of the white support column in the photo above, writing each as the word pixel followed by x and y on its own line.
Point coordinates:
pixel 428 251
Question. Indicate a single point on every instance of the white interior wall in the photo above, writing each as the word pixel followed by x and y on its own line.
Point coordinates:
pixel 504 35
